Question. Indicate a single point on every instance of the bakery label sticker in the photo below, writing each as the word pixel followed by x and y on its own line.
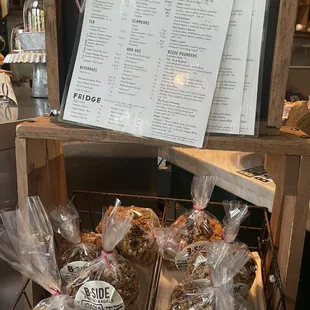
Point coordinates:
pixel 99 295
pixel 183 256
pixel 69 270
pixel 241 288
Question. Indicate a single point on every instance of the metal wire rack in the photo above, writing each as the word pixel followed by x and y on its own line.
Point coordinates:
pixel 255 232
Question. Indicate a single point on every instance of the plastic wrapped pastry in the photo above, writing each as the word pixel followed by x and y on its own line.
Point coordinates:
pixel 139 244
pixel 93 238
pixel 27 244
pixel 218 293
pixel 66 222
pixel 61 302
pixel 192 229
pixel 198 268
pixel 110 281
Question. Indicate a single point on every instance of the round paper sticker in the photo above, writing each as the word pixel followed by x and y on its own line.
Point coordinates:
pixel 99 295
pixel 241 288
pixel 69 270
pixel 182 257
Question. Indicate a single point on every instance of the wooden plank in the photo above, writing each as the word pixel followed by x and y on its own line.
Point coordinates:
pixel 21 170
pixel 52 48
pixel 281 60
pixel 4 8
pixel 7 135
pixel 288 142
pixel 293 230
pixel 40 170
pixel 265 130
pixel 284 170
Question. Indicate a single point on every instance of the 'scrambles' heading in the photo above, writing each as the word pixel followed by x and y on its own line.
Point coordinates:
pixel 87 98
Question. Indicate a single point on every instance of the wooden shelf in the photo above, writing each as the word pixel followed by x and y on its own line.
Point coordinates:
pixel 302 35
pixel 300 67
pixel 288 142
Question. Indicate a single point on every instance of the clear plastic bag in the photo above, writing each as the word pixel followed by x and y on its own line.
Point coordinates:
pixel 61 302
pixel 27 244
pixel 192 229
pixel 217 292
pixel 110 280
pixel 66 222
pixel 236 212
pixel 198 267
pixel 139 244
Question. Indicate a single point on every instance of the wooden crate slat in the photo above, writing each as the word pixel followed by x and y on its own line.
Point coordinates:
pixel 288 142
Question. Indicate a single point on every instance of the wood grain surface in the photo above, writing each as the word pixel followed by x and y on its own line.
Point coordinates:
pixel 293 231
pixel 281 60
pixel 52 48
pixel 288 142
pixel 7 135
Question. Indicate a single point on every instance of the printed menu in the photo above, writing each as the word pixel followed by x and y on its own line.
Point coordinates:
pixel 250 95
pixel 227 102
pixel 148 67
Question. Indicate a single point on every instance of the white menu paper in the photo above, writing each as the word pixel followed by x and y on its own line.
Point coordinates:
pixel 227 102
pixel 249 105
pixel 148 67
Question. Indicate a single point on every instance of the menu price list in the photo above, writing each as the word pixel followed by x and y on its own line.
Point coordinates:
pixel 153 68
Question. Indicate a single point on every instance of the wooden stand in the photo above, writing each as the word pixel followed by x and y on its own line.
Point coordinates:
pixel 40 171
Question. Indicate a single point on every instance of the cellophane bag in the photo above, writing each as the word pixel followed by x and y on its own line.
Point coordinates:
pixel 138 245
pixel 61 302
pixel 27 244
pixel 110 281
pixel 191 230
pixel 217 292
pixel 74 254
pixel 198 267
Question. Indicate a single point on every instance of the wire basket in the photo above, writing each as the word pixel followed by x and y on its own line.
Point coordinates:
pixel 255 232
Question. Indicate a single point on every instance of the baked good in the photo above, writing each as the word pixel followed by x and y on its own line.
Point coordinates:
pixel 138 245
pixel 109 281
pixel 188 229
pixel 198 269
pixel 192 296
pixel 112 270
pixel 198 226
pixel 60 302
pixel 76 258
pixel 76 249
pixel 93 238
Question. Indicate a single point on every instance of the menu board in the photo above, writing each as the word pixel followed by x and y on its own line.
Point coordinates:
pixel 226 109
pixel 250 94
pixel 148 67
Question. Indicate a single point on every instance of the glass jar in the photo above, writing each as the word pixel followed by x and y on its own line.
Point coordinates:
pixel 34 16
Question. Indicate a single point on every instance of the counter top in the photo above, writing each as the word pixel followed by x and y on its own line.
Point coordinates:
pixel 224 165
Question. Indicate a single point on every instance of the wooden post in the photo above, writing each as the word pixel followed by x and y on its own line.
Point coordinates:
pixel 289 217
pixel 40 172
pixel 281 60
pixel 52 51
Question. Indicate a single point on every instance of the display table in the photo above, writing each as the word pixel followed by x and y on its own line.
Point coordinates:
pixel 40 171
pixel 224 165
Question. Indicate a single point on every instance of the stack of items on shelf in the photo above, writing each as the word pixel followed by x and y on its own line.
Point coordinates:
pixel 99 270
